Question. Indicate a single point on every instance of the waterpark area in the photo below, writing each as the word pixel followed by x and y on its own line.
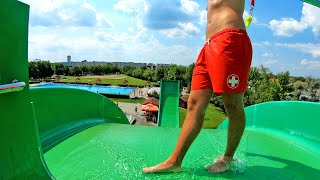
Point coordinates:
pixel 59 131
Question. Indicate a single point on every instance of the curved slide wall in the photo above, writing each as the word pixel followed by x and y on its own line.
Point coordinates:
pixel 293 117
pixel 62 112
pixel 295 123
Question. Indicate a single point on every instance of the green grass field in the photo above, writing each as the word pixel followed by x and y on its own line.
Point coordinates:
pixel 213 118
pixel 107 79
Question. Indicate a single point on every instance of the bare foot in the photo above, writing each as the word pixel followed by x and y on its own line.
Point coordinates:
pixel 163 167
pixel 221 165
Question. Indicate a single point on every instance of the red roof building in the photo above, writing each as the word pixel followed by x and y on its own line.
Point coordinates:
pixel 152 100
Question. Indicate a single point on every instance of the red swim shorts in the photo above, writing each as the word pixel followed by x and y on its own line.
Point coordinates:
pixel 224 63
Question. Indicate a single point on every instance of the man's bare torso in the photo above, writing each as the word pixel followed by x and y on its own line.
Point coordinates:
pixel 224 14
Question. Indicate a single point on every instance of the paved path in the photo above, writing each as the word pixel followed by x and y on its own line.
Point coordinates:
pixel 129 109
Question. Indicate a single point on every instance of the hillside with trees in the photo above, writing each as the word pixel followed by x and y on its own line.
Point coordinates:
pixel 263 85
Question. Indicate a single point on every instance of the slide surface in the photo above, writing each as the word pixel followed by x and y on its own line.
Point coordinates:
pixel 169 104
pixel 115 151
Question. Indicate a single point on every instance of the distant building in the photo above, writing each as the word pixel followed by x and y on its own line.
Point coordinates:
pixel 69 59
pixel 163 65
pixel 150 66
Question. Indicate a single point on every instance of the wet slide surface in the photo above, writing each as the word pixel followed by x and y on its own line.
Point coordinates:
pixel 119 151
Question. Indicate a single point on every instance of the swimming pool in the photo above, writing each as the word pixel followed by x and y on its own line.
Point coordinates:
pixel 114 90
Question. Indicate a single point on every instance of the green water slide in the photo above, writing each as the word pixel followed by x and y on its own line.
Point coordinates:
pixel 313 2
pixel 50 133
pixel 20 152
pixel 169 104
pixel 63 112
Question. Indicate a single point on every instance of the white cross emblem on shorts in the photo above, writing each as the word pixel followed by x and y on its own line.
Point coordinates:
pixel 233 81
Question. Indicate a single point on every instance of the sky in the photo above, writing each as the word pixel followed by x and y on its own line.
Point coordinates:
pixel 285 34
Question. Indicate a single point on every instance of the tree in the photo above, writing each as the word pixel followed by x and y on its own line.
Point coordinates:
pixel 45 69
pixel 144 67
pixel 33 70
pixel 286 87
pixel 59 69
pixel 267 90
pixel 313 87
pixel 75 71
pixel 265 72
pixel 298 86
pixel 137 73
pixel 85 69
pixel 97 69
pixel 254 74
pixel 171 72
pixel 66 70
pixel 127 70
pixel 300 78
pixel 148 75
pixel 262 87
pixel 187 77
pixel 160 73
pixel 180 72
pixel 106 69
pixel 114 69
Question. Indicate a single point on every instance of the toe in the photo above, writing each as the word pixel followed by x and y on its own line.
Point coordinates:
pixel 147 170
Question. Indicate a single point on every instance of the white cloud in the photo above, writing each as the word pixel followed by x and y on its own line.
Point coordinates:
pixel 131 6
pixel 144 47
pixel 103 21
pixel 287 27
pixel 266 43
pixel 75 27
pixel 190 7
pixel 268 59
pixel 290 26
pixel 310 65
pixel 71 13
pixel 203 17
pixel 270 62
pixel 269 55
pixel 107 45
pixel 184 30
pixel 311 16
pixel 313 49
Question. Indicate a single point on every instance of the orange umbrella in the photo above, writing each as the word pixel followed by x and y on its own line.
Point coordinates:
pixel 150 107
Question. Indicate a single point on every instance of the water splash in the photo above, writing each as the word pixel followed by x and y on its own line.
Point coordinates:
pixel 238 166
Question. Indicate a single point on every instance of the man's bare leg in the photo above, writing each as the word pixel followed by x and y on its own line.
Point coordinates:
pixel 234 106
pixel 197 104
